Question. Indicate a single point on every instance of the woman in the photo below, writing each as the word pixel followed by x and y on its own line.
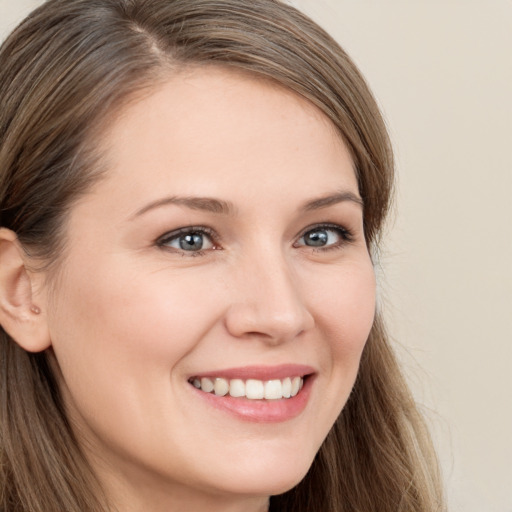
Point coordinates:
pixel 191 192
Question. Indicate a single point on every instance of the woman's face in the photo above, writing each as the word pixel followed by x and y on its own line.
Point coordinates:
pixel 224 248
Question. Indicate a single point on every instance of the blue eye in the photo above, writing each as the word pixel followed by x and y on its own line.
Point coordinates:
pixel 324 237
pixel 188 240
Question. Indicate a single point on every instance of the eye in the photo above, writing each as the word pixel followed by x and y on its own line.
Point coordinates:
pixel 329 236
pixel 191 240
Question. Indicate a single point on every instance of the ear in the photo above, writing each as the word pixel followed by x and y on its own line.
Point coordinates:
pixel 23 320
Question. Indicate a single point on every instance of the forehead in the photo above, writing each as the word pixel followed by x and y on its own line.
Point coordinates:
pixel 204 97
pixel 210 131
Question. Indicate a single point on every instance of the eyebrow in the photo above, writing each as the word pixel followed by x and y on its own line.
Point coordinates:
pixel 219 206
pixel 207 204
pixel 330 200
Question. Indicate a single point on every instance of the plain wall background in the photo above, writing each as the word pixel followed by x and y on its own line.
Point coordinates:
pixel 442 72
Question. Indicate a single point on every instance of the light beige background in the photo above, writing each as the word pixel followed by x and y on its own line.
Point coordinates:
pixel 442 72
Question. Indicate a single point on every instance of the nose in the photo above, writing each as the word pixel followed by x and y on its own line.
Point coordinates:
pixel 267 303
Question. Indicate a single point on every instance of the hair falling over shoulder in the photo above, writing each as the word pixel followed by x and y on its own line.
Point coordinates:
pixel 68 67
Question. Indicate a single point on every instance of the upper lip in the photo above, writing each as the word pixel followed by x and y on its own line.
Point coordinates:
pixel 277 372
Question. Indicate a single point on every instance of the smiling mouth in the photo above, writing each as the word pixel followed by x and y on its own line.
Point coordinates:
pixel 251 389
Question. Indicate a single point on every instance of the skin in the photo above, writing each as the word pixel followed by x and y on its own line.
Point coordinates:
pixel 131 320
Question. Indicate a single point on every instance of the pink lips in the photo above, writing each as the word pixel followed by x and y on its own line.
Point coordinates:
pixel 260 372
pixel 260 411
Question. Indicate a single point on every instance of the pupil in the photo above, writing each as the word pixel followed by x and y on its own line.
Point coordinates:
pixel 191 242
pixel 317 238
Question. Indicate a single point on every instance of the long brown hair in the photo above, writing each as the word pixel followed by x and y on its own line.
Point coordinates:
pixel 64 72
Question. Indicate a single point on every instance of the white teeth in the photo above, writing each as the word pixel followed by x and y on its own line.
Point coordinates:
pixel 287 387
pixel 273 390
pixel 206 385
pixel 252 389
pixel 237 388
pixel 295 385
pixel 221 387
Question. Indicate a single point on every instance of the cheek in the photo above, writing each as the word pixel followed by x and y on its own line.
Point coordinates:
pixel 119 343
pixel 148 318
pixel 345 312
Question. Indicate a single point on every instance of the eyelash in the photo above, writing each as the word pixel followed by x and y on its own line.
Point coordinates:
pixel 346 237
pixel 200 230
pixel 345 234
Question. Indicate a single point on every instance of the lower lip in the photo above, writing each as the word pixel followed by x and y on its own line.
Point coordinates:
pixel 261 411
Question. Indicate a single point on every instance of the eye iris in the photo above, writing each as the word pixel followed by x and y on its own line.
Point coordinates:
pixel 191 242
pixel 317 238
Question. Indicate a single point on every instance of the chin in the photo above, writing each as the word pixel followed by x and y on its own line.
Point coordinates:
pixel 267 478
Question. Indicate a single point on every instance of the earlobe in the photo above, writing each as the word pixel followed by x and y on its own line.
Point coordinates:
pixel 23 320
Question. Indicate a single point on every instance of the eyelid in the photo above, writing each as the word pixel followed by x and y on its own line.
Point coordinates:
pixel 345 233
pixel 162 240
